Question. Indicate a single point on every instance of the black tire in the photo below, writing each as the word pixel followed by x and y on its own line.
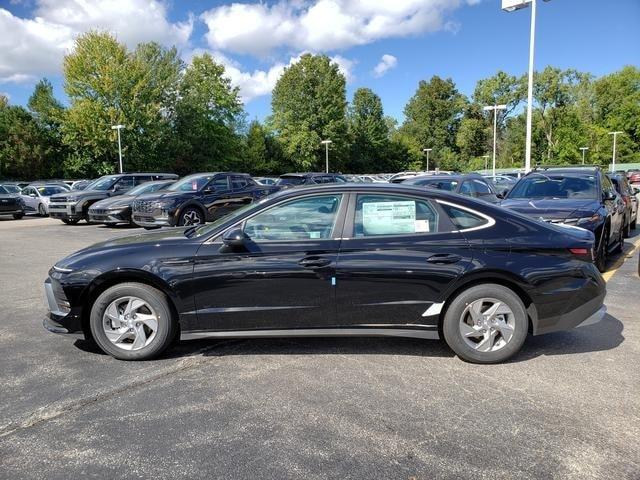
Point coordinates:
pixel 456 310
pixel 601 254
pixel 633 224
pixel 191 216
pixel 164 335
pixel 620 245
pixel 626 231
pixel 70 221
pixel 18 216
pixel 41 211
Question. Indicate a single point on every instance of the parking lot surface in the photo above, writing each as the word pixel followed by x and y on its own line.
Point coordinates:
pixel 568 406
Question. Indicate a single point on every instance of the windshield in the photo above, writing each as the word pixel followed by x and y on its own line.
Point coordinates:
pixel 3 190
pixel 192 183
pixel 555 186
pixel 10 189
pixel 47 191
pixel 103 183
pixel 290 181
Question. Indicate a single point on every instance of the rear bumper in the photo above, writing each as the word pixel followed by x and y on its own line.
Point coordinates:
pixel 586 314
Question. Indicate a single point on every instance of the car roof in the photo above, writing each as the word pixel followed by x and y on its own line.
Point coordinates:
pixel 460 176
pixel 564 171
pixel 308 174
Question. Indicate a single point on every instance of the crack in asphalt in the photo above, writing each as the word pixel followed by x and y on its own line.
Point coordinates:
pixel 54 411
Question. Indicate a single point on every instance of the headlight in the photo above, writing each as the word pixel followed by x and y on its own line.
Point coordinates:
pixel 591 219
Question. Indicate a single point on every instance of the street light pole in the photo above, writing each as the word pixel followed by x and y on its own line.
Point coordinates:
pixel 326 145
pixel 427 150
pixel 118 128
pixel 615 136
pixel 510 6
pixel 584 149
pixel 495 109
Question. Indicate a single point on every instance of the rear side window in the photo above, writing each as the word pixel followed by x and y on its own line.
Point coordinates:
pixel 465 219
pixel 394 215
pixel 238 183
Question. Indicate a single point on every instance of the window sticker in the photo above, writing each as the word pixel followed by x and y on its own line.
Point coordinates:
pixel 314 234
pixel 422 226
pixel 389 218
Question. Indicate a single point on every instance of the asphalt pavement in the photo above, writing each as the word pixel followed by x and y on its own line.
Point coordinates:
pixel 568 406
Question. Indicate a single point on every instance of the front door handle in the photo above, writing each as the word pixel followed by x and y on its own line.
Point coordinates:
pixel 314 262
pixel 444 258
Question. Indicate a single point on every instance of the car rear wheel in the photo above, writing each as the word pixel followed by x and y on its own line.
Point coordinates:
pixel 18 216
pixel 486 324
pixel 190 216
pixel 70 221
pixel 132 321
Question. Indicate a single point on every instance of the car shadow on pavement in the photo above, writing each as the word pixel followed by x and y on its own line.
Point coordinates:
pixel 601 336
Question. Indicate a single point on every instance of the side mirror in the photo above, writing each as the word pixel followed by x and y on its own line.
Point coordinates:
pixel 234 237
pixel 503 193
pixel 209 190
pixel 32 195
pixel 609 195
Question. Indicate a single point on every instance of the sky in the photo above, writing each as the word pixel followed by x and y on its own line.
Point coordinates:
pixel 385 45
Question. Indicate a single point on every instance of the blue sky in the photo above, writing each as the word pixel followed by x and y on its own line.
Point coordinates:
pixel 462 39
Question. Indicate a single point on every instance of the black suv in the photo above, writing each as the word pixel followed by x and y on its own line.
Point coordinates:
pixel 71 207
pixel 289 180
pixel 582 197
pixel 471 185
pixel 197 199
pixel 11 203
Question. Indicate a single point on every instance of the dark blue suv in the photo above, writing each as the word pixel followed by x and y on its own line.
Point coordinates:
pixel 580 197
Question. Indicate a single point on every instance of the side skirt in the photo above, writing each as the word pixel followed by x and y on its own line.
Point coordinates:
pixel 430 334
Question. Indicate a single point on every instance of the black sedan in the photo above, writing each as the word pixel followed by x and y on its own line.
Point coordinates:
pixel 334 260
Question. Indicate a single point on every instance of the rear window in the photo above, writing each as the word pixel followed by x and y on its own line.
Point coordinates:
pixel 464 219
pixel 290 181
pixel 448 185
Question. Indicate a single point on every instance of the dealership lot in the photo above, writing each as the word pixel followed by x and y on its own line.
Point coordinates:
pixel 567 406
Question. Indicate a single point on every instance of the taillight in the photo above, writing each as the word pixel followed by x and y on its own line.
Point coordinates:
pixel 582 253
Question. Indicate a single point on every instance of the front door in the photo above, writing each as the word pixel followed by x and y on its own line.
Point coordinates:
pixel 402 254
pixel 284 275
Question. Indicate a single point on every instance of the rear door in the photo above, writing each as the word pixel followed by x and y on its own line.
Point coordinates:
pixel 399 254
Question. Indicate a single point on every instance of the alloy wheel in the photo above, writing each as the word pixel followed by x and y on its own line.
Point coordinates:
pixel 192 217
pixel 487 324
pixel 41 211
pixel 130 323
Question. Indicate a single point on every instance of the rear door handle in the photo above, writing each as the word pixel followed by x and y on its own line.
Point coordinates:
pixel 444 258
pixel 314 262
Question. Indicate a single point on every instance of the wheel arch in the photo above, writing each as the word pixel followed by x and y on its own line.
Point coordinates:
pixel 191 204
pixel 110 279
pixel 505 279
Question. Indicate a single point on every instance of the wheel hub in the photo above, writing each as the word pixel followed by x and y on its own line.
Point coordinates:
pixel 130 323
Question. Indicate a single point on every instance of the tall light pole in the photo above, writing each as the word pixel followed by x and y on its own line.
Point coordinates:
pixel 427 150
pixel 495 109
pixel 118 128
pixel 326 147
pixel 615 136
pixel 510 6
pixel 584 149
pixel 486 159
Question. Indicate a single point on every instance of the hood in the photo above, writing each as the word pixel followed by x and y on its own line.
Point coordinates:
pixel 149 239
pixel 165 195
pixel 552 208
pixel 112 202
pixel 81 193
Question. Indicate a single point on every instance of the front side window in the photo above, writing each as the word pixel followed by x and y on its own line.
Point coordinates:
pixel 220 183
pixel 103 183
pixel 466 189
pixel 393 215
pixel 481 188
pixel 310 218
pixel 125 183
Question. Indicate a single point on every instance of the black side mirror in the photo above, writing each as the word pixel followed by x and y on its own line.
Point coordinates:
pixel 209 189
pixel 234 238
pixel 609 195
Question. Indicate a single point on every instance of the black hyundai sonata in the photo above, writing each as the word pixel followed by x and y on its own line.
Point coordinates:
pixel 334 260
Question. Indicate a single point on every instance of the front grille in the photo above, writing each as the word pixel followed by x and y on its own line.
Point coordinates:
pixel 98 211
pixel 58 199
pixel 8 202
pixel 143 206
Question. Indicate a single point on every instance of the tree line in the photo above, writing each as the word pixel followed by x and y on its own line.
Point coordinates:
pixel 187 118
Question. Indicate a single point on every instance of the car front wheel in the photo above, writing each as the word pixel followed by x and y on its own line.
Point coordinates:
pixel 190 216
pixel 132 321
pixel 486 324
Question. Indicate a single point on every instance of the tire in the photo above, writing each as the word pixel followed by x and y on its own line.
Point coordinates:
pixel 492 347
pixel 120 337
pixel 41 211
pixel 18 216
pixel 190 216
pixel 620 245
pixel 633 224
pixel 70 221
pixel 626 231
pixel 601 255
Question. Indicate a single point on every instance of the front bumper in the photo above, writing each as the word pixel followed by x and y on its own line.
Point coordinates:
pixel 64 210
pixel 61 318
pixel 109 217
pixel 149 220
pixel 12 212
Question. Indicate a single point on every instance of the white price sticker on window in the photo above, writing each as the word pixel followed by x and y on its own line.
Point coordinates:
pixel 389 218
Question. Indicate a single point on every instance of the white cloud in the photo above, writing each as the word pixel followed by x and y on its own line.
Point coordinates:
pixel 387 62
pixel 32 47
pixel 257 83
pixel 321 25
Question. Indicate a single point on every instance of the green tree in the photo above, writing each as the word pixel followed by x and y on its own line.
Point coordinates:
pixel 49 114
pixel 309 105
pixel 208 114
pixel 433 116
pixel 369 133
